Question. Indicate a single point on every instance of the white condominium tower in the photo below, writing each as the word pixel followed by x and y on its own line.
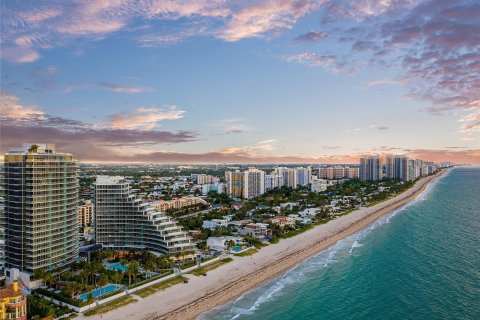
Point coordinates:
pixel 303 176
pixel 253 183
pixel 123 221
pixel 41 197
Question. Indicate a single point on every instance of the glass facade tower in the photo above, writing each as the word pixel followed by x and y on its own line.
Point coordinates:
pixel 41 196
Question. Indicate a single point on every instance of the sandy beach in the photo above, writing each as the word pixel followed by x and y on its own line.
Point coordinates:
pixel 187 301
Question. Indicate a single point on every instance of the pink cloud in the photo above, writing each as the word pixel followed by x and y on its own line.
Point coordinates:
pixel 144 118
pixel 12 109
pixel 266 16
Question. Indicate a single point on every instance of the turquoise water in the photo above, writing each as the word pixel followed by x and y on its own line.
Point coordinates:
pixel 116 266
pixel 101 291
pixel 419 262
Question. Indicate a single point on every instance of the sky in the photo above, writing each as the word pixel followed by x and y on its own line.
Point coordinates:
pixel 215 81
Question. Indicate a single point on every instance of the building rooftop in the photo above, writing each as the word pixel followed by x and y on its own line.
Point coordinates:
pixel 109 179
pixel 9 291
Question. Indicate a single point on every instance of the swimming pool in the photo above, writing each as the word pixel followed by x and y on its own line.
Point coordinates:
pixel 236 249
pixel 116 266
pixel 101 291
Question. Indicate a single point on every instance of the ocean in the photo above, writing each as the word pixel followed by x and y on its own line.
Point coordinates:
pixel 421 261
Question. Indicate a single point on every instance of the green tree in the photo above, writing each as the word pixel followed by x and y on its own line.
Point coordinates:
pixel 132 270
pixel 103 280
pixel 90 299
pixel 117 277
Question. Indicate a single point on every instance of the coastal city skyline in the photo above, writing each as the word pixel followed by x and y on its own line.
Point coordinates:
pixel 85 235
pixel 291 81
pixel 239 159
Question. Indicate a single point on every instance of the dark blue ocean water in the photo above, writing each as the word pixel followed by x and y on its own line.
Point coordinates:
pixel 419 262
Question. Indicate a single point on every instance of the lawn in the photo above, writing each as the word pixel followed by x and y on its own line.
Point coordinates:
pixel 247 252
pixel 210 267
pixel 110 306
pixel 160 286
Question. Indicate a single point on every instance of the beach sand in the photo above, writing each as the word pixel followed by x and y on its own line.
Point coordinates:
pixel 187 301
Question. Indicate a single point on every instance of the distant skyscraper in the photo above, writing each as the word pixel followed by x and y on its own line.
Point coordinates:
pixel 2 219
pixel 322 173
pixel 290 178
pixel 370 169
pixel 396 167
pixel 270 181
pixel 41 189
pixel 234 183
pixel 253 183
pixel 123 221
pixel 302 176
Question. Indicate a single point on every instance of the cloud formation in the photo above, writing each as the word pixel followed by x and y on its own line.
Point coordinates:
pixel 28 27
pixel 265 16
pixel 21 123
pixel 311 36
pixel 118 88
pixel 144 118
pixel 311 59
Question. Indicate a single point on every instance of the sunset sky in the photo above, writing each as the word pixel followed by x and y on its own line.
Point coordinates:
pixel 242 81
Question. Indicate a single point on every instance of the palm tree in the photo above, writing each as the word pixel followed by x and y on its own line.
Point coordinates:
pixel 96 268
pixel 103 280
pixel 49 279
pixel 39 273
pixel 71 289
pixel 164 262
pixel 230 244
pixel 84 274
pixel 33 148
pixel 132 270
pixel 148 260
pixel 90 299
pixel 117 277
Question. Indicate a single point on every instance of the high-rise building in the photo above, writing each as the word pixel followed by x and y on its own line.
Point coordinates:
pixel 336 172
pixel 322 173
pixel 370 169
pixel 85 214
pixel 418 168
pixel 411 169
pixel 123 221
pixel 270 181
pixel 290 178
pixel 206 179
pixel 302 176
pixel 351 172
pixel 234 183
pixel 41 196
pixel 396 167
pixel 2 218
pixel 253 183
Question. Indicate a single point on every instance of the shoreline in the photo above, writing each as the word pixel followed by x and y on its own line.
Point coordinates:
pixel 230 281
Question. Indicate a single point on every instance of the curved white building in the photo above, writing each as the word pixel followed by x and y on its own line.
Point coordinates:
pixel 123 221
